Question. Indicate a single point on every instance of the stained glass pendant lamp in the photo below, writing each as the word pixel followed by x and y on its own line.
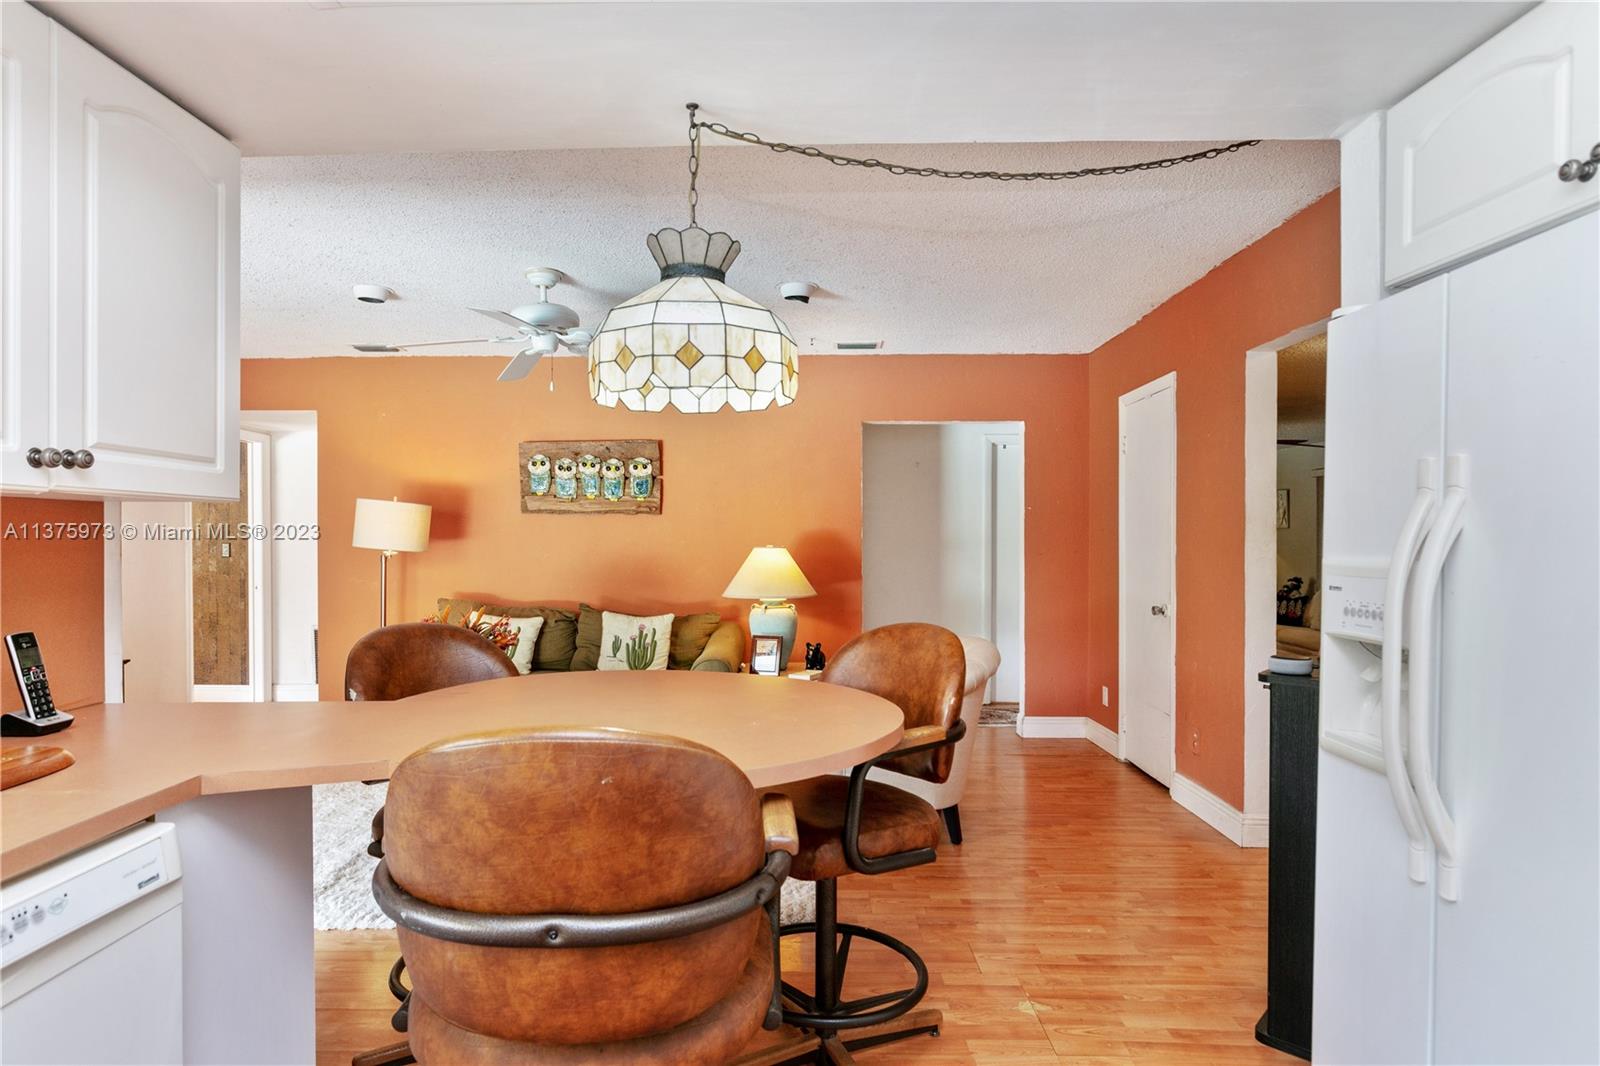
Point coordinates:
pixel 690 341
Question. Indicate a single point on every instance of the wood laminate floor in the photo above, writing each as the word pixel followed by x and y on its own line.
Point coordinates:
pixel 1087 918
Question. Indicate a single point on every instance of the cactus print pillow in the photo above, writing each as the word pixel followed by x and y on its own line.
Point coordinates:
pixel 629 642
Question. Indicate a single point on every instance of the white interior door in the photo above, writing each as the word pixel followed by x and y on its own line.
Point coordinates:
pixel 1005 564
pixel 1147 537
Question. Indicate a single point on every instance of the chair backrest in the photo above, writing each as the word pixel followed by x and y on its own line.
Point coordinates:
pixel 561 820
pixel 919 668
pixel 402 660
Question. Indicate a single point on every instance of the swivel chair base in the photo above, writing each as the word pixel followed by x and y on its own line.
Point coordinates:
pixel 835 1026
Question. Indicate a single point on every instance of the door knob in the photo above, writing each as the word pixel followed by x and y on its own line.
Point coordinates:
pixel 49 458
pixel 1580 169
pixel 83 457
pixel 1158 609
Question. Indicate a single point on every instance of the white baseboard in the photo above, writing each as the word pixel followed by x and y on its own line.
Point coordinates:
pixel 1102 737
pixel 301 693
pixel 1219 814
pixel 1053 727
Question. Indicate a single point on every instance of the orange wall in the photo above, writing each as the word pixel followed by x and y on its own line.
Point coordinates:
pixel 442 431
pixel 1285 280
pixel 56 588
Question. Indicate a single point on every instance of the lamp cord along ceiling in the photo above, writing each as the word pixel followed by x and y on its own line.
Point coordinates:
pixel 693 343
pixel 902 169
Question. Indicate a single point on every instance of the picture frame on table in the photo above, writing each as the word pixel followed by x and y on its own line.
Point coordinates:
pixel 766 656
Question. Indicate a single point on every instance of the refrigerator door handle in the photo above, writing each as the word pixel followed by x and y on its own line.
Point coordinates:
pixel 1410 539
pixel 1424 637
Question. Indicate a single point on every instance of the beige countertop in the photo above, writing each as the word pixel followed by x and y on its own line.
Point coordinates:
pixel 135 759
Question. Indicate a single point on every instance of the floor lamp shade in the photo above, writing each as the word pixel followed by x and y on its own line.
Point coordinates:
pixel 392 525
pixel 771 577
pixel 389 526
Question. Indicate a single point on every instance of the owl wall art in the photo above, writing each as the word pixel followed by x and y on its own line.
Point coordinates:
pixel 566 478
pixel 641 477
pixel 590 477
pixel 611 479
pixel 539 474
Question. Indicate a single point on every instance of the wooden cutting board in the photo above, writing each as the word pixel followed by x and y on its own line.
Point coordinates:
pixel 29 762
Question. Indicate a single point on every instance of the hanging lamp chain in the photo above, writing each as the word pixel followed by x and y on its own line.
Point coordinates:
pixel 904 170
pixel 694 162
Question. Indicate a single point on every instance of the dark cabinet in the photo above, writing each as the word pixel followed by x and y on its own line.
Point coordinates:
pixel 1291 863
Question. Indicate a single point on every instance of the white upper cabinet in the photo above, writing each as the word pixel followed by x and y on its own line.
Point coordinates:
pixel 24 243
pixel 1472 157
pixel 141 320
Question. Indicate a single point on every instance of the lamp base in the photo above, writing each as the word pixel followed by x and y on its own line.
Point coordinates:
pixel 776 618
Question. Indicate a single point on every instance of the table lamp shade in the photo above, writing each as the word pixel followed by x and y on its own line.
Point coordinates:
pixel 769 574
pixel 392 525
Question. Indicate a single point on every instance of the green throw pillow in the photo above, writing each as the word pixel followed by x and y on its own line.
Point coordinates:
pixel 558 637
pixel 690 635
pixel 586 655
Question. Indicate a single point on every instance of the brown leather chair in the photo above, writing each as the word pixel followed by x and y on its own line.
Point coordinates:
pixel 853 825
pixel 412 657
pixel 404 660
pixel 588 896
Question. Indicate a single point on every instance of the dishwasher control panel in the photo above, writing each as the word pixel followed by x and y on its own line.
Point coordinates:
pixel 45 905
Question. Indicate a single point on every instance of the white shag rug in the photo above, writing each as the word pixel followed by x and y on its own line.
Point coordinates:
pixel 341 830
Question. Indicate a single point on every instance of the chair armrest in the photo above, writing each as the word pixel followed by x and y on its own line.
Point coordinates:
pixel 723 650
pixel 375 849
pixel 777 822
pixel 923 736
pixel 920 738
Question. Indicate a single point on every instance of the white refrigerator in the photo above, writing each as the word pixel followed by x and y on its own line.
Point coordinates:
pixel 1458 791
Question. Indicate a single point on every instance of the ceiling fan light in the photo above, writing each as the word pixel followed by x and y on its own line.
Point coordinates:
pixel 690 341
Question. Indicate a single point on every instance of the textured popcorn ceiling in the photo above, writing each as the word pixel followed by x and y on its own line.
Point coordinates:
pixel 922 265
pixel 385 76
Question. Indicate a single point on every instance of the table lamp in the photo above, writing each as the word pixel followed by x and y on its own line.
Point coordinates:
pixel 770 577
pixel 390 526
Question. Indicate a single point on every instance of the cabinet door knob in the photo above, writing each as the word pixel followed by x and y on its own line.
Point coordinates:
pixel 1581 169
pixel 36 457
pixel 48 458
pixel 83 457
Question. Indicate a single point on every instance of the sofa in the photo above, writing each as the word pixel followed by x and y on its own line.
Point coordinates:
pixel 983 662
pixel 570 640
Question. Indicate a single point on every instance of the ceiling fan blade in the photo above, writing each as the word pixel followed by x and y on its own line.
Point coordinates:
pixel 521 365
pixel 502 317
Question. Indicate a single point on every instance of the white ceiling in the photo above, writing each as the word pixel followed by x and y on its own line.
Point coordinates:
pixel 325 77
pixel 921 264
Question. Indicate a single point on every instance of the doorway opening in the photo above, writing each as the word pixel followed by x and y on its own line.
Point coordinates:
pixel 942 539
pixel 219 598
pixel 1283 434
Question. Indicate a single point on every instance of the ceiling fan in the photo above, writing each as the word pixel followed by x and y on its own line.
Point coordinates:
pixel 541 326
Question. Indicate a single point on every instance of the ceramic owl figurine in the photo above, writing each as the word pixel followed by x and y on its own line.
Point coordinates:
pixel 566 478
pixel 539 474
pixel 641 475
pixel 611 472
pixel 589 476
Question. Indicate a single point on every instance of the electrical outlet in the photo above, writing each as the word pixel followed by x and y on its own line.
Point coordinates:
pixel 1194 741
pixel 227 550
pixel 1105 695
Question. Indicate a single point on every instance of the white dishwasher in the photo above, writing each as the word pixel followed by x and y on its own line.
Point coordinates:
pixel 91 955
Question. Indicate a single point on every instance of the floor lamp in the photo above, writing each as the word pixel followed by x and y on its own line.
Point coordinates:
pixel 390 526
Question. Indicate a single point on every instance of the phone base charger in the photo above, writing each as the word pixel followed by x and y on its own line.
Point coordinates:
pixel 20 725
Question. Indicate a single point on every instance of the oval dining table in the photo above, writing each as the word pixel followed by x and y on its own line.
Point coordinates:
pixel 235 779
pixel 774 729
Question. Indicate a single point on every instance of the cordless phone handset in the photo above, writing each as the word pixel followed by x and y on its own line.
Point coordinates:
pixel 39 715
